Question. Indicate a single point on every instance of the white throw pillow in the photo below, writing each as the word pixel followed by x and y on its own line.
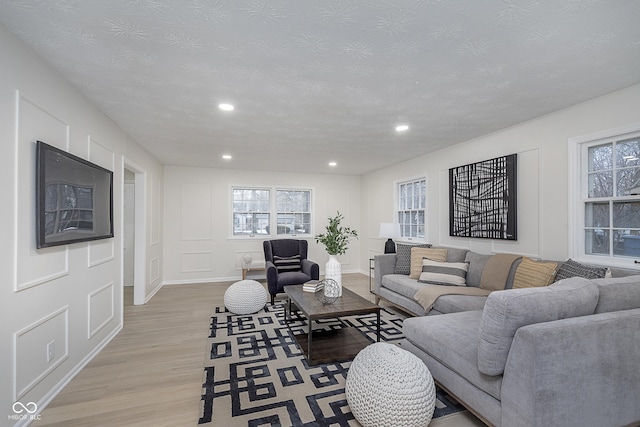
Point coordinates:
pixel 444 273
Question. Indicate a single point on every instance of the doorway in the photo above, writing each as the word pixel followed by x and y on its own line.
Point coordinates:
pixel 128 236
pixel 134 236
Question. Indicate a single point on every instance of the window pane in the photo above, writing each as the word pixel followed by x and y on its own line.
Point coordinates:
pixel 596 214
pixel 626 214
pixel 600 157
pixel 601 184
pixel 630 244
pixel 596 242
pixel 628 181
pixel 628 153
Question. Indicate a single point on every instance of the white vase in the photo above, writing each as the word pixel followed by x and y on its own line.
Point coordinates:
pixel 333 270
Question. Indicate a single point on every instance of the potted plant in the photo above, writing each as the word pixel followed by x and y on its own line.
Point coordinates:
pixel 336 241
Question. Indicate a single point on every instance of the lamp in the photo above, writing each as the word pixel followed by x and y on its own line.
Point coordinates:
pixel 389 230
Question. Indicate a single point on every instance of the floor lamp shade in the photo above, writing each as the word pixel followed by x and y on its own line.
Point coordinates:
pixel 390 230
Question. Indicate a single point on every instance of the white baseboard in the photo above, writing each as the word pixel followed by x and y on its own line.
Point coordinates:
pixel 51 394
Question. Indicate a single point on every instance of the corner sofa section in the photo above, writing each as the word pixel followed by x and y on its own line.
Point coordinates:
pixel 562 355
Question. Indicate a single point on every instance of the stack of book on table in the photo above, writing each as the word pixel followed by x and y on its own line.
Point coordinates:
pixel 312 286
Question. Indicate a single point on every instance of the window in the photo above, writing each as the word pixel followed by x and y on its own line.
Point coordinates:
pixel 411 208
pixel 251 211
pixel 293 209
pixel 252 208
pixel 608 210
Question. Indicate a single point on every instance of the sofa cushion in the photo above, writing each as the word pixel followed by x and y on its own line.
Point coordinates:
pixel 621 293
pixel 451 340
pixel 444 273
pixel 417 254
pixel 403 257
pixel 476 265
pixel 507 311
pixel 533 274
pixel 401 284
pixel 456 255
pixel 287 264
pixel 571 268
pixel 457 303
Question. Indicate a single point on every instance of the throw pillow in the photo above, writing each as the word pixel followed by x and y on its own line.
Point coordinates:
pixel 434 254
pixel 403 257
pixel 533 274
pixel 444 273
pixel 573 268
pixel 286 264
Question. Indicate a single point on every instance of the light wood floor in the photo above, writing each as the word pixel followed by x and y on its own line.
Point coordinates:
pixel 151 372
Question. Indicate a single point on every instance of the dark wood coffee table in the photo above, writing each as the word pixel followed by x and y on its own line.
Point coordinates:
pixel 334 345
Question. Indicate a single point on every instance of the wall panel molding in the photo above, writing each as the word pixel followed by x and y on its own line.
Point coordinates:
pixel 30 350
pixel 33 267
pixel 100 308
pixel 196 212
pixel 154 270
pixel 196 262
pixel 100 252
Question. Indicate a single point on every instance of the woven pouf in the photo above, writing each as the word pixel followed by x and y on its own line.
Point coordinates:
pixel 245 297
pixel 388 386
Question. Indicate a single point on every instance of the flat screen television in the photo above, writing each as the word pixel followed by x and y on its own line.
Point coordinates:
pixel 74 198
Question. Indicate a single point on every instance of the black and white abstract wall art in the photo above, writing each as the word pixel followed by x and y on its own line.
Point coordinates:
pixel 482 199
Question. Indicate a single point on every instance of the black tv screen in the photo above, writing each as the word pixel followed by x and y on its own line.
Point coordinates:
pixel 74 198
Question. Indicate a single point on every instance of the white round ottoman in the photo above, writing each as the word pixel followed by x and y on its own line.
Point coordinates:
pixel 245 297
pixel 389 386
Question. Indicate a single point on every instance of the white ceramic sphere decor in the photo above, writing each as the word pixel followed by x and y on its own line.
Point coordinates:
pixel 389 386
pixel 333 270
pixel 245 297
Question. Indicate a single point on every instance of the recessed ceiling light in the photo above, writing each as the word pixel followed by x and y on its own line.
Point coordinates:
pixel 227 156
pixel 333 164
pixel 226 107
pixel 402 128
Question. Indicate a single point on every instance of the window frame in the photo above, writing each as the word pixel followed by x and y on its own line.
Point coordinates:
pixel 398 211
pixel 272 212
pixel 578 196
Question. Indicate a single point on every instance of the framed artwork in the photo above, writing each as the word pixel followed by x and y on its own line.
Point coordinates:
pixel 482 199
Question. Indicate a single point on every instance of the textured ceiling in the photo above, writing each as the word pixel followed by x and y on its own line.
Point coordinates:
pixel 315 81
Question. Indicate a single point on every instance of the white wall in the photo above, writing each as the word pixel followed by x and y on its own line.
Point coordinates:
pixel 72 294
pixel 542 148
pixel 197 227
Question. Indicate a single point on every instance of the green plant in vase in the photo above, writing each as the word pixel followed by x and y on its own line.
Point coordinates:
pixel 336 241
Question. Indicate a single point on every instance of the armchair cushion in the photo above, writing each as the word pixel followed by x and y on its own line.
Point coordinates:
pixel 285 264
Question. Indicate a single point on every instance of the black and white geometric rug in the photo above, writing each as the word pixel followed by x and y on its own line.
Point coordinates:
pixel 255 374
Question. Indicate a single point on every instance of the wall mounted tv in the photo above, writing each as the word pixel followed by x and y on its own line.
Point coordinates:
pixel 74 198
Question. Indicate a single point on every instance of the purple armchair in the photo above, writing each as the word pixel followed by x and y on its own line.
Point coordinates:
pixel 286 263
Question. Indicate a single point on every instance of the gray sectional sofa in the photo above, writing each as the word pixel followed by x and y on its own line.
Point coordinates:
pixel 567 354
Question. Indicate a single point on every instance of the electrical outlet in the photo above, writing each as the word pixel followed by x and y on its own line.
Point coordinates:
pixel 51 351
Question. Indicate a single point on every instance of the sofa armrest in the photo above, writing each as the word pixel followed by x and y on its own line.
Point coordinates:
pixel 382 264
pixel 581 371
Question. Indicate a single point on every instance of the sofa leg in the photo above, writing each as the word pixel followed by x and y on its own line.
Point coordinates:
pixel 273 299
pixel 377 300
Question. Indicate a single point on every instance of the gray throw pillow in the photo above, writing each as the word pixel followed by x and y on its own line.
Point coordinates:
pixel 403 257
pixel 573 268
